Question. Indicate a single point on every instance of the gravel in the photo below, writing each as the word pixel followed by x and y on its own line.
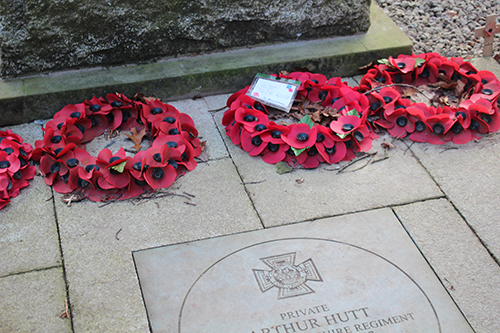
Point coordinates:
pixel 443 26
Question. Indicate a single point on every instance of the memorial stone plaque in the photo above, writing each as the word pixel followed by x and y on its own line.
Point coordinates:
pixel 354 273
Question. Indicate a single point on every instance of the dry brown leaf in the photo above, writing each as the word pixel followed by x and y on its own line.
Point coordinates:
pixel 72 197
pixel 136 137
pixel 299 181
pixel 316 117
pixel 409 92
pixel 203 145
pixel 387 145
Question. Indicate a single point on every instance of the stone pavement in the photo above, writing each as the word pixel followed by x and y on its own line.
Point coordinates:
pixel 445 197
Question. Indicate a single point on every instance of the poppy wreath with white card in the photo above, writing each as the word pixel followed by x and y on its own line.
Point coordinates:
pixel 425 97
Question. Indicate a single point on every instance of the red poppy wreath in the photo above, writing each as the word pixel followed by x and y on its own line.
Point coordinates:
pixel 15 166
pixel 330 121
pixel 68 167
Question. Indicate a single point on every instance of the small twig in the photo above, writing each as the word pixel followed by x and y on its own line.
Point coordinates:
pixel 116 235
pixel 189 194
pixel 449 148
pixel 354 161
pixel 252 183
pixel 217 110
pixel 397 85
pixel 189 203
pixel 66 311
pixel 130 151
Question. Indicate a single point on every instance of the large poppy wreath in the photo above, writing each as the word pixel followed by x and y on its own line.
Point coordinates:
pixel 68 167
pixel 332 121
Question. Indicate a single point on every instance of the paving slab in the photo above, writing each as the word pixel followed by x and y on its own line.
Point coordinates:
pixel 198 110
pixel 28 229
pixel 463 265
pixel 308 194
pixel 355 273
pixel 469 176
pixel 34 302
pixel 97 241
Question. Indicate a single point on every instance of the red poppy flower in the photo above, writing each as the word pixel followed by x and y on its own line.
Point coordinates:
pixel 251 119
pixel 108 163
pixel 162 172
pixel 96 105
pixel 254 145
pixel 310 158
pixel 300 136
pixel 403 63
pixel 275 152
pixel 235 96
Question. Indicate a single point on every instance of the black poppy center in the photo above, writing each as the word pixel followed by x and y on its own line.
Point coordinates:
pixel 55 167
pixel 72 162
pixel 487 91
pixel 158 173
pixel 320 137
pixel 4 164
pixel 358 136
pixel 260 127
pixel 402 121
pixel 82 182
pixel 258 106
pixel 173 164
pixel 249 118
pixel 331 150
pixel 457 128
pixel 157 157
pixel 17 175
pixel 460 113
pixel 273 147
pixel 113 159
pixel 276 134
pixel 425 73
pixel 169 120
pixel 171 144
pixel 322 95
pixel 8 150
pixel 387 99
pixel 75 115
pixel 91 167
pixel 116 104
pixel 474 125
pixel 486 118
pixel 256 140
pixel 401 65
pixel 302 136
pixel 137 166
pixel 419 126
pixel 438 128
pixel 155 111
pixel 312 151
pixel 173 131
pixel 375 106
pixel 348 127
pixel 95 107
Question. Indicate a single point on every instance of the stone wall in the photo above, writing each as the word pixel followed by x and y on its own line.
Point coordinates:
pixel 50 35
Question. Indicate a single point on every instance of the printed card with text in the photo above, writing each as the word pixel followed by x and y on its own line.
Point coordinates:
pixel 274 91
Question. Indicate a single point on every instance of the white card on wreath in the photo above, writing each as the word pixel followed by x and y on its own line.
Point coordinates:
pixel 274 91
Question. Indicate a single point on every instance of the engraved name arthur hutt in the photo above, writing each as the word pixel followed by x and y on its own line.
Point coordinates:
pixel 290 279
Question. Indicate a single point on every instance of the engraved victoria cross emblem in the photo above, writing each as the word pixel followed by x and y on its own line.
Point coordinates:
pixel 290 279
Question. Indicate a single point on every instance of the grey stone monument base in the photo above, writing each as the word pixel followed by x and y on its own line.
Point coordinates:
pixel 25 99
pixel 355 273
